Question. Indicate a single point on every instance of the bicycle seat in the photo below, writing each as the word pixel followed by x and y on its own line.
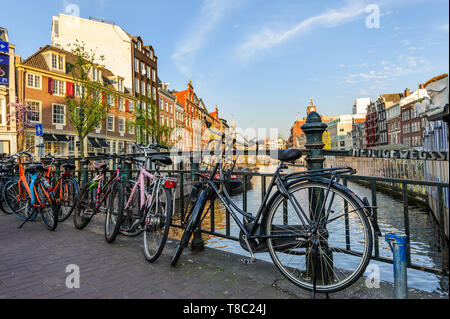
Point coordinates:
pixel 34 168
pixel 288 155
pixel 99 166
pixel 68 166
pixel 161 159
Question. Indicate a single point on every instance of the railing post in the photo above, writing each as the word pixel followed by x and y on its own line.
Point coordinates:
pixel 314 129
pixel 197 242
pixel 398 247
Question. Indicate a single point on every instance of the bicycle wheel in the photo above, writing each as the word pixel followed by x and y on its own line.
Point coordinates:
pixel 345 238
pixel 16 202
pixel 66 194
pixel 114 212
pixel 157 224
pixel 84 207
pixel 132 214
pixel 3 206
pixel 49 209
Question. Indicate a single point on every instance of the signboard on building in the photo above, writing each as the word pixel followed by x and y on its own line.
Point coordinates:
pixel 4 47
pixel 4 69
pixel 400 154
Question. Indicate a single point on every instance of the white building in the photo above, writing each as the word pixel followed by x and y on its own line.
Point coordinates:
pixel 125 55
pixel 338 129
pixel 360 105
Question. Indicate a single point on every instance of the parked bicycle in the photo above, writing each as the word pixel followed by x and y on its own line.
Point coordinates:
pixel 66 188
pixel 150 203
pixel 102 195
pixel 317 231
pixel 31 194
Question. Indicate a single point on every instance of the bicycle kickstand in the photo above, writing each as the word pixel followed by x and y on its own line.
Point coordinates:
pixel 28 218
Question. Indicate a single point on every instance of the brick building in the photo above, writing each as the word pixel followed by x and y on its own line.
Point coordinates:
pixel 44 79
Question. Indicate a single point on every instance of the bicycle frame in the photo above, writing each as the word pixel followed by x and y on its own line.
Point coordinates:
pixel 106 189
pixel 141 184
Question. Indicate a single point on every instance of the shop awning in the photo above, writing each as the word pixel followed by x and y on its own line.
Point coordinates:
pixel 94 142
pixel 62 138
pixel 49 138
pixel 102 142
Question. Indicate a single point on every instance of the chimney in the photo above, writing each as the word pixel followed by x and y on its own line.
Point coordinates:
pixel 421 86
pixel 407 92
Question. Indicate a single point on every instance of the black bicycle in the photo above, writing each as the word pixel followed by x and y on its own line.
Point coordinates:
pixel 317 231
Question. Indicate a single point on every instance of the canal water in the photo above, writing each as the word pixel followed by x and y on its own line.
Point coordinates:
pixel 424 240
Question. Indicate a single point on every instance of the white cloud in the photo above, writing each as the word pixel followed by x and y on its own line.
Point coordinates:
pixel 211 14
pixel 269 37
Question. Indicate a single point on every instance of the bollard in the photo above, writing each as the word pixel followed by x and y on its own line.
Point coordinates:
pixel 398 247
pixel 197 242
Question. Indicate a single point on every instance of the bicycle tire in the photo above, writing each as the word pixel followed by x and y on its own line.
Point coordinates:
pixel 47 200
pixel 118 192
pixel 79 221
pixel 69 200
pixel 295 275
pixel 166 219
pixel 19 207
pixel 129 217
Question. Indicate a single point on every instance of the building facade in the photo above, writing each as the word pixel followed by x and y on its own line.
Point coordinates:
pixel 123 54
pixel 8 134
pixel 44 80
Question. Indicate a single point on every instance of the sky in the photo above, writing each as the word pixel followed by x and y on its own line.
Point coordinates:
pixel 261 61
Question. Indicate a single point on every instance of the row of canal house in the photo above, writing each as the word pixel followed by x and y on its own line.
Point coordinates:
pixel 128 67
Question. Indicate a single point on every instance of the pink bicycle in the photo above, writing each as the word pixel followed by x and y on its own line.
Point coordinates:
pixel 150 204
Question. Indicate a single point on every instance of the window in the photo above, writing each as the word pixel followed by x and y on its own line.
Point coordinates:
pixel 121 124
pixel 148 72
pixel 58 87
pixel 78 90
pixel 59 117
pixel 121 146
pixel 71 144
pixel 161 104
pixel 120 102
pixel 57 62
pixel 148 90
pixel 170 108
pixel 136 85
pixel 130 127
pixel 136 65
pixel 153 75
pixel 33 81
pixel 56 28
pixel 110 123
pixel 154 93
pixel 143 88
pixel 110 100
pixel 35 107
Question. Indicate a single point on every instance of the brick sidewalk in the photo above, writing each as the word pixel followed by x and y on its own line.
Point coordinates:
pixel 33 264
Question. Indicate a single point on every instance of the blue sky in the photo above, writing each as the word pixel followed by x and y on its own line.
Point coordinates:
pixel 261 61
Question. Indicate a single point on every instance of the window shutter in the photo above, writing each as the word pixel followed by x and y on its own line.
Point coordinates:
pixel 104 98
pixel 50 85
pixel 127 106
pixel 69 89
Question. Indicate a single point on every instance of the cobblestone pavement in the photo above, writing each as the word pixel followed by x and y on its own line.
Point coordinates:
pixel 33 264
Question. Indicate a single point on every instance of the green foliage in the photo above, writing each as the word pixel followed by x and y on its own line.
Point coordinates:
pixel 147 124
pixel 87 108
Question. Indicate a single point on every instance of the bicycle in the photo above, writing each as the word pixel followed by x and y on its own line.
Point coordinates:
pixel 94 195
pixel 32 194
pixel 66 188
pixel 7 168
pixel 317 231
pixel 150 204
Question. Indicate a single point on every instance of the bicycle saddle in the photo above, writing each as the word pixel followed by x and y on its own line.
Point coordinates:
pixel 34 168
pixel 99 166
pixel 288 155
pixel 68 166
pixel 162 159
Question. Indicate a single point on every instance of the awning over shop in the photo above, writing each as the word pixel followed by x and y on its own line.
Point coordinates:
pixel 94 142
pixel 49 138
pixel 62 138
pixel 102 142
